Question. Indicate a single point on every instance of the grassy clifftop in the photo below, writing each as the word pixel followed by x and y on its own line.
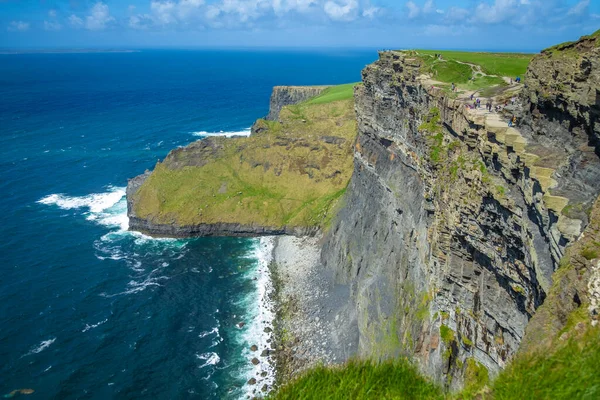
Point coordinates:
pixel 288 173
pixel 473 71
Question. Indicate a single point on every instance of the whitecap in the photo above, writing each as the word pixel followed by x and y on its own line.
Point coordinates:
pixel 208 358
pixel 108 208
pixel 245 132
pixel 92 326
pixel 260 312
pixel 206 333
pixel 41 347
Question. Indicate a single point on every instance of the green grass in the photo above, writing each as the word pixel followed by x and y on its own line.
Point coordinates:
pixel 462 75
pixel 287 175
pixel 335 93
pixel 361 380
pixel 571 372
pixel 501 64
pixel 446 334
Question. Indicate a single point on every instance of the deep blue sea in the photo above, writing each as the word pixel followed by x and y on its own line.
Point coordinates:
pixel 89 310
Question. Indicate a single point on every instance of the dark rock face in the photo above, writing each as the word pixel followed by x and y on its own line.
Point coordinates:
pixel 289 95
pixel 466 240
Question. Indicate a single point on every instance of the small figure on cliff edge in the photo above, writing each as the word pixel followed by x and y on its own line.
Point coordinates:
pixel 513 121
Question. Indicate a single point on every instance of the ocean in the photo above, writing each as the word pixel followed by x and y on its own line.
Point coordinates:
pixel 89 310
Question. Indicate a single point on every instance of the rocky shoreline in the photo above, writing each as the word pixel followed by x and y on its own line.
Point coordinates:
pixel 313 323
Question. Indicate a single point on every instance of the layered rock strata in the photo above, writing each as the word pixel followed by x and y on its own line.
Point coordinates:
pixel 289 95
pixel 454 222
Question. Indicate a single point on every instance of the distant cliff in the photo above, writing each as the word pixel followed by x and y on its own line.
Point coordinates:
pixel 289 95
pixel 288 177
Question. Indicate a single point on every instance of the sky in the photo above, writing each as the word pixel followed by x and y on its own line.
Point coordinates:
pixel 508 25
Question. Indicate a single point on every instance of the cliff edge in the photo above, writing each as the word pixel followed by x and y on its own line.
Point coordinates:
pixel 286 178
pixel 455 221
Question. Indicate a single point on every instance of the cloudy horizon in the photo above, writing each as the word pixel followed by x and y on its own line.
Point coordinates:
pixel 518 25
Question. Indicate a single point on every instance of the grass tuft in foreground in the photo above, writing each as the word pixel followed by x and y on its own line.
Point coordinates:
pixel 361 380
pixel 569 373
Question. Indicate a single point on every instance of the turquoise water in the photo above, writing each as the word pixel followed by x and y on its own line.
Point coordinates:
pixel 88 309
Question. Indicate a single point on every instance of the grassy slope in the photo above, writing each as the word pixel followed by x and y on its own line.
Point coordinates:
pixel 285 175
pixel 336 93
pixel 501 64
pixel 361 380
pixel 569 371
pixel 451 70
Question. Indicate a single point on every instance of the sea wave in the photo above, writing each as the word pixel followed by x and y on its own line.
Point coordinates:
pixel 108 208
pixel 206 333
pixel 261 315
pixel 41 347
pixel 208 359
pixel 245 132
pixel 92 326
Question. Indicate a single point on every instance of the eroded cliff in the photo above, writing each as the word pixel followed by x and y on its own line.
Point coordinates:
pixel 455 222
pixel 289 95
pixel 286 178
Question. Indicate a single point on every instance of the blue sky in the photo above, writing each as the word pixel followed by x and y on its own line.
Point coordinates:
pixel 525 25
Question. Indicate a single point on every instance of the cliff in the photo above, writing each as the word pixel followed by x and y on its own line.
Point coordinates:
pixel 288 177
pixel 289 95
pixel 460 239
pixel 455 222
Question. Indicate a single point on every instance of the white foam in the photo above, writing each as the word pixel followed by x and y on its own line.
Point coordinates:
pixel 206 333
pixel 261 314
pixel 208 358
pixel 92 326
pixel 108 209
pixel 245 132
pixel 41 347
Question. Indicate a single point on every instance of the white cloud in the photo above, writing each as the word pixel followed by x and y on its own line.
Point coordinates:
pixel 283 6
pixel 75 21
pixel 346 11
pixel 52 13
pixel 429 7
pixel 18 26
pixel 500 11
pixel 579 8
pixel 52 26
pixel 456 15
pixel 238 13
pixel 140 21
pixel 413 10
pixel 99 17
pixel 370 12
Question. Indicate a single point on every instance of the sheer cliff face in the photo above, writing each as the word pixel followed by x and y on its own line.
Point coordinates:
pixel 454 222
pixel 288 95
